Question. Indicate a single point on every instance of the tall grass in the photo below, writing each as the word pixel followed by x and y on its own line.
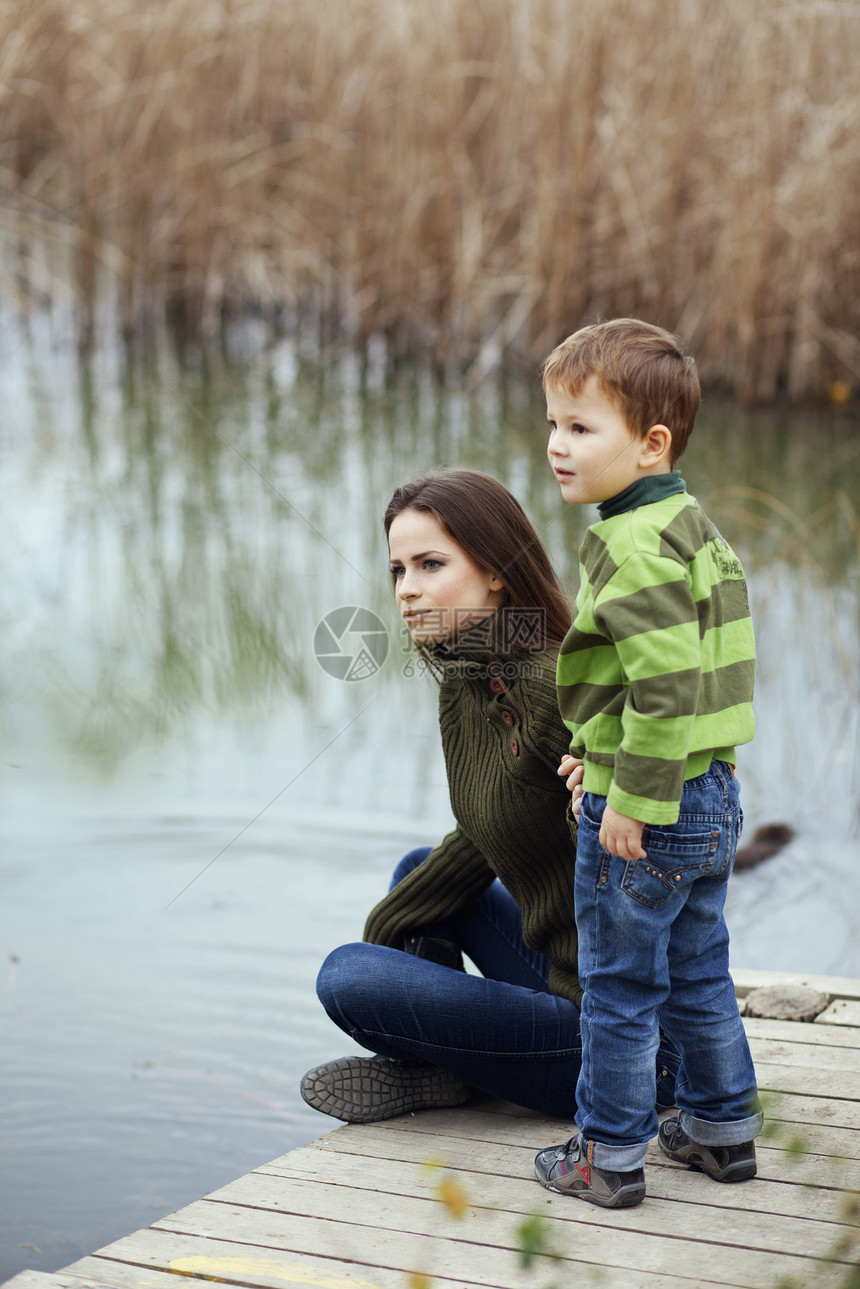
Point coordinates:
pixel 468 178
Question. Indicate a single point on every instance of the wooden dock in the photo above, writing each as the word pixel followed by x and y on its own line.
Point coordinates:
pixel 360 1209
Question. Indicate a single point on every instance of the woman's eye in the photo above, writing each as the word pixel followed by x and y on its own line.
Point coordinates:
pixel 432 564
pixel 396 571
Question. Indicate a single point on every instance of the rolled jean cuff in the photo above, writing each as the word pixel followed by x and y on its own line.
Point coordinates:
pixel 621 1159
pixel 734 1133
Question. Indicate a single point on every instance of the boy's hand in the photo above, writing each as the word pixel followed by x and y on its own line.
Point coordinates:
pixel 574 770
pixel 621 836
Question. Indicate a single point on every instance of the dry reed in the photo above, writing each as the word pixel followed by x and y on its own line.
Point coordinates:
pixel 471 179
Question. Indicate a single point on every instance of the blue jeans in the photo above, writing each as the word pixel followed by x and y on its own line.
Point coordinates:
pixel 503 1031
pixel 654 954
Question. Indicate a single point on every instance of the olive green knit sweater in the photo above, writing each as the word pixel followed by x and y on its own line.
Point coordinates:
pixel 503 738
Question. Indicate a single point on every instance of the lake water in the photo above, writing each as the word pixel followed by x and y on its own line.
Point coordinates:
pixel 194 811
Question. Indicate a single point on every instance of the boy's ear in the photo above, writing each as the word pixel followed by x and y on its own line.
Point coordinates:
pixel 656 446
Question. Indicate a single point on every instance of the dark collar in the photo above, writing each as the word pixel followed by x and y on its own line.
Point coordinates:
pixel 507 635
pixel 478 643
pixel 654 487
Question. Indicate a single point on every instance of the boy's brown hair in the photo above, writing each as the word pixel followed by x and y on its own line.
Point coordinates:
pixel 648 373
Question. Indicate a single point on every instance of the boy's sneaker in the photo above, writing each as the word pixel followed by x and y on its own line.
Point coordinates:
pixel 366 1089
pixel 723 1163
pixel 568 1169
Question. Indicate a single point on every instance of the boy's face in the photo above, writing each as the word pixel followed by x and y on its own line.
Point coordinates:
pixel 593 453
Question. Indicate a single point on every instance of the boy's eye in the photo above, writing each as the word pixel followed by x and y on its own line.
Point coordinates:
pixel 579 429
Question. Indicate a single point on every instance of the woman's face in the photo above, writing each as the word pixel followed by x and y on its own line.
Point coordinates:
pixel 439 589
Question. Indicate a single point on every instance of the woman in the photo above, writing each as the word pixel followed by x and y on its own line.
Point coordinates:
pixel 481 601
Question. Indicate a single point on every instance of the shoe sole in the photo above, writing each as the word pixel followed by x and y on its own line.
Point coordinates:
pixel 362 1090
pixel 626 1197
pixel 741 1171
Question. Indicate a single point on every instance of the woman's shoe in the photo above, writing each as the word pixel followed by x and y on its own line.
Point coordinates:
pixel 367 1089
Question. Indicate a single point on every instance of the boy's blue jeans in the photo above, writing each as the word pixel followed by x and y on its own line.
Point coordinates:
pixel 654 953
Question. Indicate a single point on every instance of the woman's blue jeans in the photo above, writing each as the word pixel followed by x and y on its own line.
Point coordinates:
pixel 654 954
pixel 502 1031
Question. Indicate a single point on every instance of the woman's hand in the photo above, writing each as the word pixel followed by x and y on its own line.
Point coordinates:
pixel 573 770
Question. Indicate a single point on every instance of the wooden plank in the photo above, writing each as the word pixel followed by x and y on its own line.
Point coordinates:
pixel 504 1198
pixel 805 1056
pixel 237 1264
pixel 472 1123
pixel 54 1280
pixel 787 1107
pixel 475 1124
pixel 789 1031
pixel 836 986
pixel 841 1012
pixel 833 1085
pixel 481 1237
pixel 831 1157
pixel 479 1156
pixel 670 1183
pixel 831 1127
pixel 808 1169
pixel 824 1138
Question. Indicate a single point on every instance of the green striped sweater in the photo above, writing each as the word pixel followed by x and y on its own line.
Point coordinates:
pixel 655 676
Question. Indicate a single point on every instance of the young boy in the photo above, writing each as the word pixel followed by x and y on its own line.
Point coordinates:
pixel 655 682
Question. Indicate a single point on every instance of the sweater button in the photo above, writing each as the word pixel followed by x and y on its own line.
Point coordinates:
pixel 508 718
pixel 515 747
pixel 497 685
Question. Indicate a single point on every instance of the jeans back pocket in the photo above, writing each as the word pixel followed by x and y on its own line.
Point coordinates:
pixel 673 862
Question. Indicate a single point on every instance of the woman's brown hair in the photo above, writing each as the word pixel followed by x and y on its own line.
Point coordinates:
pixel 492 528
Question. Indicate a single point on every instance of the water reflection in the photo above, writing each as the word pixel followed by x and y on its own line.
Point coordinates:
pixel 188 524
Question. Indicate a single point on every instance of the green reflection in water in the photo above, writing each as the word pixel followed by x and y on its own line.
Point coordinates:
pixel 176 529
